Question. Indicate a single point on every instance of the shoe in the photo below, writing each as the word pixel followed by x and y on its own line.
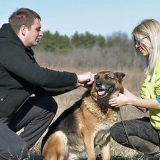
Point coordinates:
pixel 156 155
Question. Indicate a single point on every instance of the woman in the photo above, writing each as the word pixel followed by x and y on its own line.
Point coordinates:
pixel 143 134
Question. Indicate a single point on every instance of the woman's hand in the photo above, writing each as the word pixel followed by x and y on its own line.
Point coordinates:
pixel 119 101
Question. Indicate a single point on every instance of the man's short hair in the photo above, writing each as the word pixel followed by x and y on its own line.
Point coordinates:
pixel 22 16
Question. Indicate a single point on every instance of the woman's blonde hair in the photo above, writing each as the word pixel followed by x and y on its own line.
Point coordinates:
pixel 151 29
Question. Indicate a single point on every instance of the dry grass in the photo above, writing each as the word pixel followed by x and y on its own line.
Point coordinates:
pixel 81 61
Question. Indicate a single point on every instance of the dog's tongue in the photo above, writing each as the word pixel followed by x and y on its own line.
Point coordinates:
pixel 101 93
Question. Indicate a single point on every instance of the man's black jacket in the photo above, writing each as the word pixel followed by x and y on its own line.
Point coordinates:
pixel 21 76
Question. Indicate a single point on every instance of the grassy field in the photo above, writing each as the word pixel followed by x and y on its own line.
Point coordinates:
pixel 82 60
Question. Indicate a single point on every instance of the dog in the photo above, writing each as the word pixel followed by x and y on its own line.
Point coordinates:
pixel 83 130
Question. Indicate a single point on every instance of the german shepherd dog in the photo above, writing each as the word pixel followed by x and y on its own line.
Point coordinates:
pixel 83 130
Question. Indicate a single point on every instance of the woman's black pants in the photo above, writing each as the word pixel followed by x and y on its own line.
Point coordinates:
pixel 137 134
pixel 35 115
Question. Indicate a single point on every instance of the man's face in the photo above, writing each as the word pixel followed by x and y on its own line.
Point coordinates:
pixel 33 34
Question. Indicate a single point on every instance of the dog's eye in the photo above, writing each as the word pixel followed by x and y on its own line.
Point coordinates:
pixel 96 77
pixel 107 77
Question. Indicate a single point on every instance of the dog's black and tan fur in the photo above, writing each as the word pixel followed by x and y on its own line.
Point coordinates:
pixel 82 131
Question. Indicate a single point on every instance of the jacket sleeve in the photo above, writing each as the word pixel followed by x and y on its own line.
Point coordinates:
pixel 151 86
pixel 14 58
pixel 157 78
pixel 40 91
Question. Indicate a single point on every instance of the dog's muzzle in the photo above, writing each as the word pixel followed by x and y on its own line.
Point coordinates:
pixel 103 90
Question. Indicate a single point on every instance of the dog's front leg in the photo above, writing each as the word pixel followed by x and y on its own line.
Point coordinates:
pixel 106 151
pixel 89 145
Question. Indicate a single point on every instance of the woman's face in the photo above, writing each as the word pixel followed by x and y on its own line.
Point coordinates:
pixel 143 44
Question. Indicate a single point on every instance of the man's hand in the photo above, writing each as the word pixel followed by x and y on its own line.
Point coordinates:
pixel 85 79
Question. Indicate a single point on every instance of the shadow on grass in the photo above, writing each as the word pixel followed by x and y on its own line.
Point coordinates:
pixel 137 157
pixel 35 157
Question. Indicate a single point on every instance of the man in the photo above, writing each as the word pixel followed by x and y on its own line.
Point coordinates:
pixel 21 77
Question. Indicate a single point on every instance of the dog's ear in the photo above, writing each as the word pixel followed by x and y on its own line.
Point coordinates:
pixel 119 75
pixel 88 86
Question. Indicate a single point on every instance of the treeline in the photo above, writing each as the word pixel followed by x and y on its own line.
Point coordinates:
pixel 62 43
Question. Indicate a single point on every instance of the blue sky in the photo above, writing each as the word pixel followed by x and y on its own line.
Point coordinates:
pixel 95 16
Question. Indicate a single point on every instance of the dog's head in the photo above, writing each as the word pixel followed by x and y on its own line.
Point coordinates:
pixel 107 84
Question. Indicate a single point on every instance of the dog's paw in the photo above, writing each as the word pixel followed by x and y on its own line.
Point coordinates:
pixel 99 157
pixel 83 155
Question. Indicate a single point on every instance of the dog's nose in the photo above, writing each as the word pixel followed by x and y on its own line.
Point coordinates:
pixel 98 84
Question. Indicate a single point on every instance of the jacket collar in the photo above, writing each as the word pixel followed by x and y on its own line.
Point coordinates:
pixel 6 31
